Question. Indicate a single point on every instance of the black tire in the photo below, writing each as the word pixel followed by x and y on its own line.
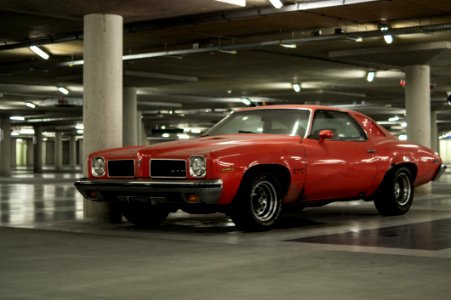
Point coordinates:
pixel 395 195
pixel 143 214
pixel 258 203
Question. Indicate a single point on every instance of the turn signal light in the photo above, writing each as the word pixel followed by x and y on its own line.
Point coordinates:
pixel 91 194
pixel 192 198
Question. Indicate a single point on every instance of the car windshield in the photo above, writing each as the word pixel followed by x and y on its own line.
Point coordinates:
pixel 265 121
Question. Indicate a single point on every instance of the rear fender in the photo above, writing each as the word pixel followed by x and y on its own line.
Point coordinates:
pixel 394 162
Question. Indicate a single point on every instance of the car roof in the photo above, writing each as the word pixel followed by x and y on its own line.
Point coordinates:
pixel 295 106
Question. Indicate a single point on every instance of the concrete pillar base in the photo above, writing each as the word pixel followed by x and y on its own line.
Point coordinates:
pixel 101 212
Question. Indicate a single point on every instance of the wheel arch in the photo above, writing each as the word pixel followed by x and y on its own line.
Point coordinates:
pixel 281 172
pixel 412 167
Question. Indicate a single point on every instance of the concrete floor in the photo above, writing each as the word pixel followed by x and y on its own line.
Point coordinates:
pixel 340 251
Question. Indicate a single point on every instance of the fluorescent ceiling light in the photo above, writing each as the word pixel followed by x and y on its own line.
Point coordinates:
pixel 40 52
pixel 370 76
pixel 246 101
pixel 296 87
pixel 357 39
pixel 26 131
pixel 287 45
pixel 63 90
pixel 357 1
pixel 228 51
pixel 388 38
pixel 320 4
pixel 276 3
pixel 31 105
pixel 17 118
pixel 234 2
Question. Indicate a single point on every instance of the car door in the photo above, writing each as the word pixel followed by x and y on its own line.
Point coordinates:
pixel 342 166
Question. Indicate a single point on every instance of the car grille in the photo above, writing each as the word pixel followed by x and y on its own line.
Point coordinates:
pixel 161 168
pixel 121 168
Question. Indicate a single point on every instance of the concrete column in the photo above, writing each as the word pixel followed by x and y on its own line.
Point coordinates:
pixel 418 109
pixel 5 146
pixel 30 156
pixel 58 151
pixel 102 106
pixel 143 134
pixel 434 132
pixel 73 151
pixel 130 102
pixel 13 153
pixel 139 127
pixel 81 159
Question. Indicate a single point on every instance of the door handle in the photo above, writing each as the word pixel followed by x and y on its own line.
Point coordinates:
pixel 371 150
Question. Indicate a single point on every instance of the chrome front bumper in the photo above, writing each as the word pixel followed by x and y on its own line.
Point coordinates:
pixel 440 171
pixel 152 191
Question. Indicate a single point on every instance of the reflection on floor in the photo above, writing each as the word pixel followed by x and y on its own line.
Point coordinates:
pixel 49 201
pixel 433 235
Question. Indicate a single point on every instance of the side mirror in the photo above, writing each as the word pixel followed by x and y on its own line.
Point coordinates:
pixel 326 134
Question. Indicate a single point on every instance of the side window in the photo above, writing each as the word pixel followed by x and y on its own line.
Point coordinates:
pixel 343 126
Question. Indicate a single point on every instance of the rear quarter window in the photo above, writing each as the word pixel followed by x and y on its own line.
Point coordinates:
pixel 369 126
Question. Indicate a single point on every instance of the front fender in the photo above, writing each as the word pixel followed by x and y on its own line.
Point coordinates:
pixel 232 168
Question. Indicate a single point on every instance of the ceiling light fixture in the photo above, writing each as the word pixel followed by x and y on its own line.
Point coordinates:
pixel 370 76
pixel 233 52
pixel 40 52
pixel 30 105
pixel 234 2
pixel 276 3
pixel 388 38
pixel 63 90
pixel 246 101
pixel 17 118
pixel 357 39
pixel 321 4
pixel 288 45
pixel 296 87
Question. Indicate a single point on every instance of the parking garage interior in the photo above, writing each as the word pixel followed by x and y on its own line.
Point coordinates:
pixel 170 70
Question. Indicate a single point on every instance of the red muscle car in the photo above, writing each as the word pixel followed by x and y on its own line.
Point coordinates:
pixel 257 160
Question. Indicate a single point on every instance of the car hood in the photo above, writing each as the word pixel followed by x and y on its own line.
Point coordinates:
pixel 201 146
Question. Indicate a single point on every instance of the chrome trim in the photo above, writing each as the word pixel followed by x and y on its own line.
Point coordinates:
pixel 150 183
pixel 168 190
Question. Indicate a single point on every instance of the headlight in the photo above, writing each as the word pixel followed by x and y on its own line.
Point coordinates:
pixel 197 166
pixel 98 166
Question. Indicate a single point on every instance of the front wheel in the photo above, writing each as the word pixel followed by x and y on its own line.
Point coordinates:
pixel 395 195
pixel 258 203
pixel 144 214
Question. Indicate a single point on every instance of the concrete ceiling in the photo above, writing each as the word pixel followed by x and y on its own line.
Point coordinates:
pixel 237 54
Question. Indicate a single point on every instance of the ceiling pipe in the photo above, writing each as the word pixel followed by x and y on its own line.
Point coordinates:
pixel 315 38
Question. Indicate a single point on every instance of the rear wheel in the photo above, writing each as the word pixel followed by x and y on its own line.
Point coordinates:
pixel 258 203
pixel 144 214
pixel 395 195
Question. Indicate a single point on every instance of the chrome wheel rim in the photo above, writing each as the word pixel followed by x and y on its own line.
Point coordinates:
pixel 402 189
pixel 264 201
